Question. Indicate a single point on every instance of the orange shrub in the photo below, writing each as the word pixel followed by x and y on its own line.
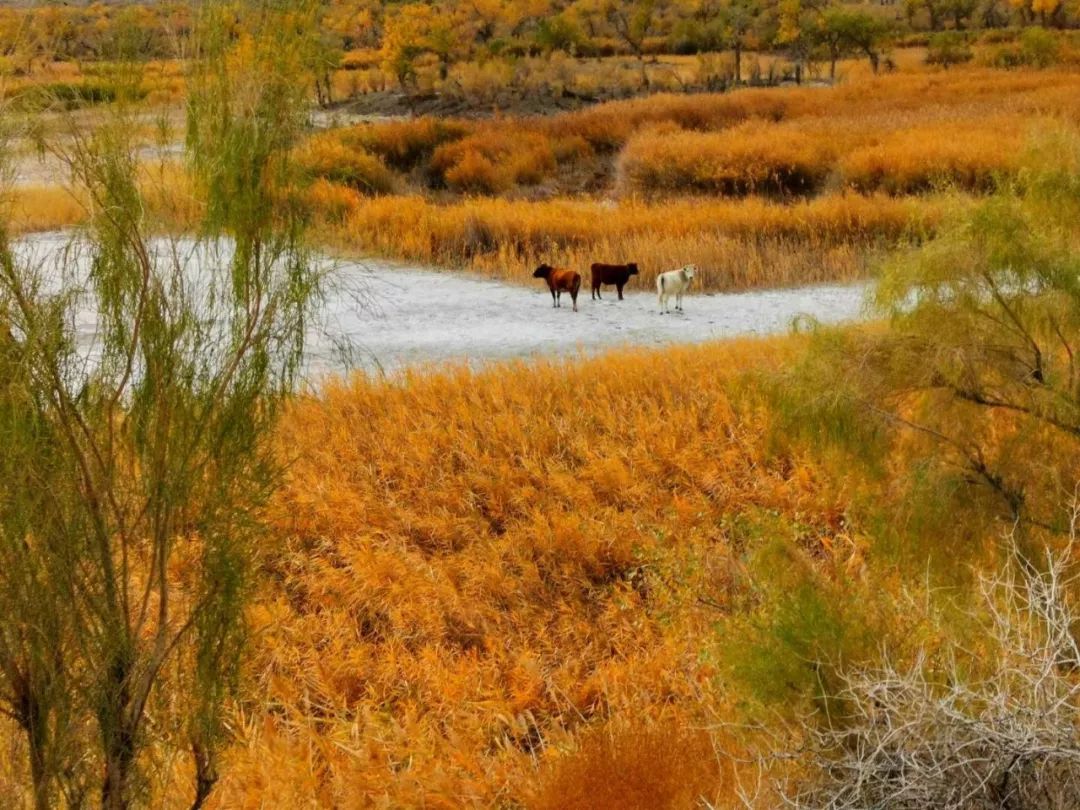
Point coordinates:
pixel 326 157
pixel 404 144
pixel 746 159
pixel 916 159
pixel 470 170
pixel 333 202
pixel 494 160
pixel 661 767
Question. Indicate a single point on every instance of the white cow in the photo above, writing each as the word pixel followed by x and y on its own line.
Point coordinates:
pixel 674 282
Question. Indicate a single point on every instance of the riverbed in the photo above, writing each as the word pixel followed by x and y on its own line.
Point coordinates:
pixel 382 316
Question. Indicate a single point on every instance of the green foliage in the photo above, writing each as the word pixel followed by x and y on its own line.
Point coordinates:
pixel 920 535
pixel 788 651
pixel 948 48
pixel 558 33
pixel 1036 47
pixel 843 32
pixel 1039 47
pixel 815 407
pixel 968 394
pixel 66 96
pixel 147 452
pixel 976 371
pixel 80 94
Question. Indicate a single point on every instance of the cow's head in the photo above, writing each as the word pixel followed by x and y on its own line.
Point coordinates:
pixel 689 271
pixel 543 271
pixel 631 269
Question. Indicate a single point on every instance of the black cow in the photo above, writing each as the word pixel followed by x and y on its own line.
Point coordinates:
pixel 617 274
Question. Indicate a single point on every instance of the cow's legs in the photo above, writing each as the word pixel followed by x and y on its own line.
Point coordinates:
pixel 554 300
pixel 573 295
pixel 596 292
pixel 619 287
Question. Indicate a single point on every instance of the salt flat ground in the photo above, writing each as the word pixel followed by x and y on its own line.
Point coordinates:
pixel 382 317
pixel 410 316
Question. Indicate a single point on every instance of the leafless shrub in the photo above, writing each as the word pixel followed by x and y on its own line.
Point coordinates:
pixel 992 727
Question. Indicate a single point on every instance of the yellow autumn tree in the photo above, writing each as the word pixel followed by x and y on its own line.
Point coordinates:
pixel 1042 10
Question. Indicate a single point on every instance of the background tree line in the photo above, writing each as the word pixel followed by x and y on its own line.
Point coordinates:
pixel 464 30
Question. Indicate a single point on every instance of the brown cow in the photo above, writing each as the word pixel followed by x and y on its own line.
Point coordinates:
pixel 617 274
pixel 560 281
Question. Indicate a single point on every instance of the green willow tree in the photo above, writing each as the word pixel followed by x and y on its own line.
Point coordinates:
pixel 137 449
pixel 977 369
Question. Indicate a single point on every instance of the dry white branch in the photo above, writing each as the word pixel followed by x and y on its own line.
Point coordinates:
pixel 992 729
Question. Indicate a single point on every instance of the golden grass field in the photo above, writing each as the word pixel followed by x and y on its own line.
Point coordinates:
pixel 500 588
pixel 859 112
pixel 539 585
pixel 513 587
pixel 475 576
pixel 535 586
pixel 738 244
pixel 757 187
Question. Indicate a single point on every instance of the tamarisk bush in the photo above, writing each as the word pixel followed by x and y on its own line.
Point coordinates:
pixel 136 454
pixel 976 370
